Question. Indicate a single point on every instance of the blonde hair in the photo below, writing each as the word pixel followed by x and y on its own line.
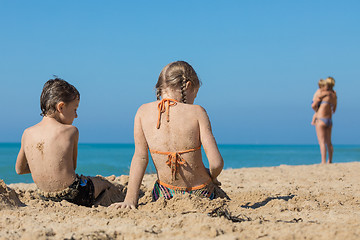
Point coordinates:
pixel 321 83
pixel 175 75
pixel 330 82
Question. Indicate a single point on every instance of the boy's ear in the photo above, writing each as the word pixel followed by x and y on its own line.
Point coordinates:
pixel 59 106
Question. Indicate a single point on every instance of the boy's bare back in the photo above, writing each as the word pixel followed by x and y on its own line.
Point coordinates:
pixel 49 149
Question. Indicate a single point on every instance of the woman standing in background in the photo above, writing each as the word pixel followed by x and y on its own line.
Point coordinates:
pixel 325 106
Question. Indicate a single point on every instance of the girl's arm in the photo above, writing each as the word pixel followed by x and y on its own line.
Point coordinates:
pixel 207 138
pixel 137 168
pixel 21 165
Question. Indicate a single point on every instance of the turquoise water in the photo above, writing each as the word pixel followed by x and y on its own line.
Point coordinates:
pixel 108 159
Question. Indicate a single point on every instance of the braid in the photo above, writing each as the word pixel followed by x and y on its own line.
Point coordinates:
pixel 158 93
pixel 183 86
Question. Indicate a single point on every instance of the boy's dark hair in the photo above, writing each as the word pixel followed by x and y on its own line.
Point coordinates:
pixel 54 91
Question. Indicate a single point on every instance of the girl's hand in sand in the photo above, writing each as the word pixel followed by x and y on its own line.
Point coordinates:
pixel 122 205
pixel 216 182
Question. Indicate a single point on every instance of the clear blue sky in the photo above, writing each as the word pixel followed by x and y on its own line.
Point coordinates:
pixel 259 62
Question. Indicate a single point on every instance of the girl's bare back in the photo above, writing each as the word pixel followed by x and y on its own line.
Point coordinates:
pixel 180 133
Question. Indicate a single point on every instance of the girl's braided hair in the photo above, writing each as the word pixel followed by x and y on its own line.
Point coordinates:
pixel 175 75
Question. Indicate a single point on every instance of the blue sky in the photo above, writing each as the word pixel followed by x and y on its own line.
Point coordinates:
pixel 259 62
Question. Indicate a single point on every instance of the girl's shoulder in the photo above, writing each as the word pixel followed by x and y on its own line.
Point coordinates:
pixel 149 105
pixel 146 107
pixel 199 110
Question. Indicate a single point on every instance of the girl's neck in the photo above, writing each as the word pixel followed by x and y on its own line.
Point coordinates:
pixel 172 95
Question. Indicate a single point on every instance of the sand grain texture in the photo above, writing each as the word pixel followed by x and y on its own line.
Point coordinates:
pixel 285 202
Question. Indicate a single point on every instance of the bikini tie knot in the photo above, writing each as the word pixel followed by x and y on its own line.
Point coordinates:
pixel 174 160
pixel 163 107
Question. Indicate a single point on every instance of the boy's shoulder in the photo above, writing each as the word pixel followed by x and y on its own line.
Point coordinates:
pixel 31 129
pixel 43 128
pixel 70 129
pixel 318 91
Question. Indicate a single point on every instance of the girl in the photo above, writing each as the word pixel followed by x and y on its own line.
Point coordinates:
pixel 174 129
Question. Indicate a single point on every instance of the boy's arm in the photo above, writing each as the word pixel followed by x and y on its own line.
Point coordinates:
pixel 21 166
pixel 137 168
pixel 315 100
pixel 216 162
pixel 335 105
pixel 316 94
pixel 75 148
pixel 315 104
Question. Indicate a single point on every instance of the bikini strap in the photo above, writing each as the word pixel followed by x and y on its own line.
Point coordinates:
pixel 162 107
pixel 175 159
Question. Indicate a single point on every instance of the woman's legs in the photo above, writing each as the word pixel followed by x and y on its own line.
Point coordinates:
pixel 321 135
pixel 329 144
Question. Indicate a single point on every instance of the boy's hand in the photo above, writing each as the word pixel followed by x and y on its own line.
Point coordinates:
pixel 122 205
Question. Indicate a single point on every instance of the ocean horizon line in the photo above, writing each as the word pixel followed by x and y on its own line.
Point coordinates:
pixel 219 144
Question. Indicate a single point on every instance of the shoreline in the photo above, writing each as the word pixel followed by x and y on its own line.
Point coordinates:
pixel 284 202
pixel 227 169
pixel 107 160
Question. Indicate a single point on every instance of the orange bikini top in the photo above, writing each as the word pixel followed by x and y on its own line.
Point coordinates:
pixel 174 158
pixel 162 107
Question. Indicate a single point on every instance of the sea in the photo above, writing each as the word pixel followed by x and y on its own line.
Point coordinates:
pixel 115 159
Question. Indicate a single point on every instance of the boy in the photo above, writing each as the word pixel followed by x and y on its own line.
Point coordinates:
pixel 49 149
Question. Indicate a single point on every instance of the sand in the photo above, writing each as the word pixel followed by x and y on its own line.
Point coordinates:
pixel 285 202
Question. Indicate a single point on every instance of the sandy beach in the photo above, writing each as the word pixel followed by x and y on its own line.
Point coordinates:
pixel 285 202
